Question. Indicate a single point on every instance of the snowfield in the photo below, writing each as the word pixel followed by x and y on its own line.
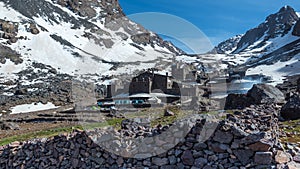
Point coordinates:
pixel 84 56
pixel 279 70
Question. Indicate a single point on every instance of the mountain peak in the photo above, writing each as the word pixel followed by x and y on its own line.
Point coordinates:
pixel 284 15
pixel 287 8
pixel 275 25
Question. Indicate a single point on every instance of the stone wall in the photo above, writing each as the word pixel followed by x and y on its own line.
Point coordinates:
pixel 243 139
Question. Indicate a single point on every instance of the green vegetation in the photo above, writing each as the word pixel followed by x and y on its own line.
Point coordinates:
pixel 146 113
pixel 156 115
pixel 38 134
pixel 293 127
pixel 295 124
pixel 115 122
pixel 166 120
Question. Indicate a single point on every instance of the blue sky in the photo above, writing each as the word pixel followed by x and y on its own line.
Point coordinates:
pixel 219 19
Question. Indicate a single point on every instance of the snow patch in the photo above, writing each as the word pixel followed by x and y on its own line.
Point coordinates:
pixel 27 108
pixel 9 69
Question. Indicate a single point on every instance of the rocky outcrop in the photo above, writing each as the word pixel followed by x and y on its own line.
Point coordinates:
pixel 8 27
pixel 237 101
pixel 6 53
pixel 110 8
pixel 264 94
pixel 51 87
pixel 296 30
pixel 10 31
pixel 258 94
pixel 291 110
pixel 227 46
pixel 142 38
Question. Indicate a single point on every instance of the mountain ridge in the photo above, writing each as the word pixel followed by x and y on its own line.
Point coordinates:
pixel 275 25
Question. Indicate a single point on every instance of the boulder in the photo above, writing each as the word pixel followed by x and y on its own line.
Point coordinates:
pixel 291 110
pixel 237 101
pixel 33 29
pixel 264 93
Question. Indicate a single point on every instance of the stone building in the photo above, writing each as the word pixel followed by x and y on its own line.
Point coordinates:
pixel 183 72
pixel 148 82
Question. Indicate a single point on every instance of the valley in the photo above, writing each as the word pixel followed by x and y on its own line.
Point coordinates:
pixel 84 86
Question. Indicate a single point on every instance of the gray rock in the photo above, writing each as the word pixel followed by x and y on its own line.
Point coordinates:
pixel 234 167
pixel 292 165
pixel 244 156
pixel 187 158
pixel 264 93
pixel 199 146
pixel 297 158
pixel 253 138
pixel 200 162
pixel 219 148
pixel 208 167
pixel 237 101
pixel 263 158
pixel 160 161
pixel 168 167
pixel 236 131
pixel 223 137
pixel 172 160
pixel 291 110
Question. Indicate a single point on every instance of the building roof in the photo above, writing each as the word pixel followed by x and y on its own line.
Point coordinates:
pixel 147 95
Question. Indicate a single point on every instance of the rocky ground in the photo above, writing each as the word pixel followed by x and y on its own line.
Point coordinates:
pixel 254 132
pixel 39 84
pixel 245 138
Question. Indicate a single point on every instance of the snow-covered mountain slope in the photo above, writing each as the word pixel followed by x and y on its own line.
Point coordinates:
pixel 260 39
pixel 78 37
pixel 268 49
pixel 275 32
pixel 227 46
